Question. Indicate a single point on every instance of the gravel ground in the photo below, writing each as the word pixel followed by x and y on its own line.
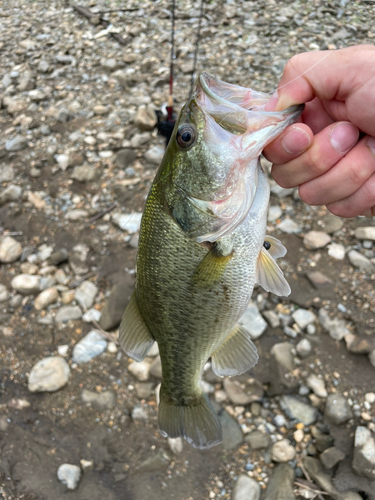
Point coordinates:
pixel 78 152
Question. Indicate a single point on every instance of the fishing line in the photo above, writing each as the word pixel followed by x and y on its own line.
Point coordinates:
pixel 304 73
pixel 173 57
pixel 196 49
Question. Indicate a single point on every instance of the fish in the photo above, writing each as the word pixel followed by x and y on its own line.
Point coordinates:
pixel 202 248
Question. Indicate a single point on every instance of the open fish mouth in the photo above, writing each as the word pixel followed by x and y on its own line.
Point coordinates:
pixel 238 109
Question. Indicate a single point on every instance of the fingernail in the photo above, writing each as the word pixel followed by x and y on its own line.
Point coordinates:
pixel 271 104
pixel 343 137
pixel 296 141
pixel 371 144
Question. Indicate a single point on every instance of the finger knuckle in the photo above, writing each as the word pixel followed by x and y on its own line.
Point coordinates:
pixel 316 162
pixel 308 194
pixel 357 174
pixel 292 65
pixel 282 180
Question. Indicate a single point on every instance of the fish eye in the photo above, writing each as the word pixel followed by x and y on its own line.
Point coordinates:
pixel 186 136
pixel 267 245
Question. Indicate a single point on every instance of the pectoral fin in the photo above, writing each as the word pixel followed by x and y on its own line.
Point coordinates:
pixel 276 249
pixel 270 276
pixel 134 336
pixel 210 269
pixel 236 355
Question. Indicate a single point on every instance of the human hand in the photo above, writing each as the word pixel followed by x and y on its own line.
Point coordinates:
pixel 330 154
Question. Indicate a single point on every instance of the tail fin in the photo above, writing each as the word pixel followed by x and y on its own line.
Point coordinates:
pixel 197 423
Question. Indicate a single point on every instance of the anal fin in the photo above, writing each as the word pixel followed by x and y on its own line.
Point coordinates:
pixel 134 336
pixel 236 355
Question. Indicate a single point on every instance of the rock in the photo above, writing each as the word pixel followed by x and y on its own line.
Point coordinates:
pixel 100 110
pixel 365 233
pixel 303 317
pixel 176 445
pixel 282 451
pixel 317 385
pixel 336 251
pixel 331 223
pixel 364 453
pixel 240 396
pixel 144 389
pixel 58 257
pixel 297 409
pixel 155 368
pixel 281 364
pixel 315 470
pixel 246 488
pixel 49 375
pixel 89 347
pixel 146 118
pixel 139 139
pixel 102 400
pixel 86 465
pixel 371 357
pixel 68 313
pixel 349 483
pixel 112 347
pixel 232 434
pixel 76 214
pixel 281 484
pixel 156 463
pixel 16 144
pixel 69 475
pixel 316 239
pixel 288 226
pixel 257 440
pixel 154 155
pixel 140 370
pixel 304 348
pixel 274 213
pixel 91 315
pixel 281 192
pixel 10 193
pixel 337 410
pixel 116 303
pixel 358 344
pixel 319 280
pixel 335 327
pixel 331 457
pixel 84 173
pixel 10 249
pixel 125 157
pixel 139 414
pixel 48 296
pixel 253 321
pixel 4 294
pixel 6 173
pixel 360 261
pixel 3 423
pixel 85 294
pixel 272 318
pixel 27 284
pixel 128 222
pixel 43 66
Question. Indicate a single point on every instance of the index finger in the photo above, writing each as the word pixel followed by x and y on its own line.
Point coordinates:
pixel 323 74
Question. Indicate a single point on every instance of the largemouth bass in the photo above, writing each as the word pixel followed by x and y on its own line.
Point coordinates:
pixel 202 247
